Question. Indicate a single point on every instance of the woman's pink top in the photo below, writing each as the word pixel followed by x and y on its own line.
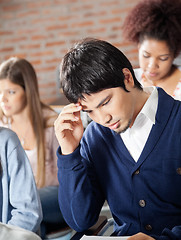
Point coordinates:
pixel 51 145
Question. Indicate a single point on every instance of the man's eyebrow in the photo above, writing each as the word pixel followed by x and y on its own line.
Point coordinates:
pixel 101 102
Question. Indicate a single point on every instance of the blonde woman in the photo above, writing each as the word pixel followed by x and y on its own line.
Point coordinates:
pixel 23 112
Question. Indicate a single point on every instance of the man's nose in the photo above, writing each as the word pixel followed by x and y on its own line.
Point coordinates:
pixel 103 117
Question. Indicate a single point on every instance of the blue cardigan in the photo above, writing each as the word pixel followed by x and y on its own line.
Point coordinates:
pixel 143 196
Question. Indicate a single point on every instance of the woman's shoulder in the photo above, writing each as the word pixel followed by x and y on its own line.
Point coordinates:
pixel 5 121
pixel 49 116
pixel 138 73
pixel 179 67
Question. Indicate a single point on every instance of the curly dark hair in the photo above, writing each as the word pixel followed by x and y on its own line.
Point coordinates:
pixel 157 19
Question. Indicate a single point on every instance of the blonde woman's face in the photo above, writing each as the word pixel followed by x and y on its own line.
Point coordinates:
pixel 12 98
pixel 155 59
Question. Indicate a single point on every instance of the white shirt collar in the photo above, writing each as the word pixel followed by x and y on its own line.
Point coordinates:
pixel 135 137
pixel 150 107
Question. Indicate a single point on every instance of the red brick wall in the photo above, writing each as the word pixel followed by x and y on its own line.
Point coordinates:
pixel 43 30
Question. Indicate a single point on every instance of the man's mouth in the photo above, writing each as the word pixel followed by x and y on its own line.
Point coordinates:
pixel 114 125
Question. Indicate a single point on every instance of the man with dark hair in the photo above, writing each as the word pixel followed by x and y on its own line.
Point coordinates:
pixel 130 153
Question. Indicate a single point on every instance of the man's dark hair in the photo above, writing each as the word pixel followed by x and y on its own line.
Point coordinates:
pixel 91 66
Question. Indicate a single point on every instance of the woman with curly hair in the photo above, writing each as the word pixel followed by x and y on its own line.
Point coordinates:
pixel 155 26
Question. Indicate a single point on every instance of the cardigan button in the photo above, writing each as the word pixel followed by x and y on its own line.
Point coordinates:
pixel 148 227
pixel 142 203
pixel 137 172
pixel 179 171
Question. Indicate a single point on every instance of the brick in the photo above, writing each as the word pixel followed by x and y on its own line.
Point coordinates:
pixel 41 54
pixel 110 20
pixel 5 33
pixel 12 7
pixel 30 46
pixel 10 49
pixel 83 24
pixel 42 31
pixel 57 27
pixel 55 43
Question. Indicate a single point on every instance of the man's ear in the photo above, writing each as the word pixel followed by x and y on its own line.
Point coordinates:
pixel 128 81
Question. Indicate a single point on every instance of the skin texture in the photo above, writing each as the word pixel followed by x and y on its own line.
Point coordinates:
pixel 156 61
pixel 10 94
pixel 102 108
pixel 113 108
pixel 14 105
pixel 69 128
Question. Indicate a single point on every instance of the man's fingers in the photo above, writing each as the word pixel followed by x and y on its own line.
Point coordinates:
pixel 71 108
pixel 67 116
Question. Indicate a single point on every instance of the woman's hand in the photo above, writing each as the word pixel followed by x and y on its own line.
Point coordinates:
pixel 69 128
pixel 146 82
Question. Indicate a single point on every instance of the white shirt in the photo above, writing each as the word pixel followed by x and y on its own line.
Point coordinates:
pixel 135 137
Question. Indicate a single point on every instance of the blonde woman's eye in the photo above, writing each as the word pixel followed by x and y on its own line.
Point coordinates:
pixel 11 92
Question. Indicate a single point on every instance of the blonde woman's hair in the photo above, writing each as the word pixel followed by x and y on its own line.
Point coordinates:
pixel 21 72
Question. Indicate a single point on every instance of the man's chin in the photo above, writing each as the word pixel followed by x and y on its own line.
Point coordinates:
pixel 120 130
